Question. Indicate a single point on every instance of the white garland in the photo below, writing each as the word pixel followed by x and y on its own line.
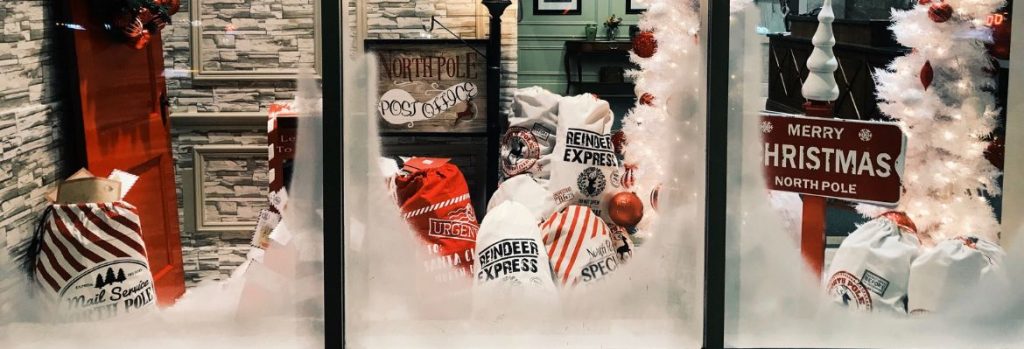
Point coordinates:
pixel 946 173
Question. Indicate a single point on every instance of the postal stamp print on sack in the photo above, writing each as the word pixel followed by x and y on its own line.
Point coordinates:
pixel 847 289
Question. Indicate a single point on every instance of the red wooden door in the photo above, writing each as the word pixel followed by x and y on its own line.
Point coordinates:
pixel 124 120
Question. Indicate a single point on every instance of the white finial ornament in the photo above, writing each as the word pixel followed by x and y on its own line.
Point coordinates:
pixel 822 64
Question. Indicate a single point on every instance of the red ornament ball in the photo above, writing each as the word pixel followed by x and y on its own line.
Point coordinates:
pixel 619 141
pixel 647 99
pixel 626 209
pixel 644 44
pixel 940 12
pixel 1000 24
pixel 927 74
pixel 924 2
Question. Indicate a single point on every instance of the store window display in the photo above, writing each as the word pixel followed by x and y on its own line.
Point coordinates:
pixel 585 200
pixel 495 173
pixel 917 248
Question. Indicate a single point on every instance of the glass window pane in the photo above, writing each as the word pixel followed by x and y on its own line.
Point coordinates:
pixel 587 236
pixel 867 202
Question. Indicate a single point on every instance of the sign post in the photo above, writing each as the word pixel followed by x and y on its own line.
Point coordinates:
pixel 831 158
pixel 812 228
pixel 821 90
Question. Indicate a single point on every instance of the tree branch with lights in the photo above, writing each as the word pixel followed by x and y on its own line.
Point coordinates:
pixel 941 95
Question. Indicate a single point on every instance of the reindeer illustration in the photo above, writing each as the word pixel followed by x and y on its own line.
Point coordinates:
pixel 592 182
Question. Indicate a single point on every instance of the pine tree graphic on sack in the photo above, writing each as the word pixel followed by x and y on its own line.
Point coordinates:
pixel 109 278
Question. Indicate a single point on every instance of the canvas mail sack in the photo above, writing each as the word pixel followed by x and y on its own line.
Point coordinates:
pixel 526 145
pixel 584 167
pixel 580 246
pixel 947 273
pixel 871 268
pixel 434 200
pixel 513 274
pixel 91 261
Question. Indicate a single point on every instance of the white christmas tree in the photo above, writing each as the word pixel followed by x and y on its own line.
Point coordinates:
pixel 939 93
pixel 666 131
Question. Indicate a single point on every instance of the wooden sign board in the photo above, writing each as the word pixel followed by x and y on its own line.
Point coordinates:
pixel 437 86
pixel 844 159
pixel 282 128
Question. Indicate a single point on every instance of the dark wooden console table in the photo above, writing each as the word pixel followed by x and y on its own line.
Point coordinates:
pixel 577 51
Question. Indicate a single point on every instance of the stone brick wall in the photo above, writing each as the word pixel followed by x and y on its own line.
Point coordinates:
pixel 238 187
pixel 251 35
pixel 30 128
pixel 237 35
pixel 266 35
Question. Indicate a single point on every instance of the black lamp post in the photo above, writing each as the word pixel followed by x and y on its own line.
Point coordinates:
pixel 494 125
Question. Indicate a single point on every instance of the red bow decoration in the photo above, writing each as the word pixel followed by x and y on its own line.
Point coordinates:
pixel 136 20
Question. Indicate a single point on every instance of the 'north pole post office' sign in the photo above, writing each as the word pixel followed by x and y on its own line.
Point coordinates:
pixel 431 85
pixel 845 159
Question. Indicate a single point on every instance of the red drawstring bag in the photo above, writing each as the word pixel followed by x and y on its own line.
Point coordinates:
pixel 434 199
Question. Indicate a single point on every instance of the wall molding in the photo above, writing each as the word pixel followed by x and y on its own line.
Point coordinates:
pixel 541 48
pixel 219 120
pixel 559 23
pixel 194 208
pixel 196 40
pixel 550 37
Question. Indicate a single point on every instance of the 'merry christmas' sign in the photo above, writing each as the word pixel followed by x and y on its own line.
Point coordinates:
pixel 845 159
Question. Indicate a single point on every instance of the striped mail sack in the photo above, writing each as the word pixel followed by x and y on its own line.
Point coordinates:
pixel 579 246
pixel 92 261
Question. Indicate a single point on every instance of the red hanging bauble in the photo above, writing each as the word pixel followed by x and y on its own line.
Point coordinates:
pixel 619 141
pixel 940 12
pixel 927 74
pixel 626 209
pixel 647 99
pixel 644 44
pixel 1000 24
pixel 924 2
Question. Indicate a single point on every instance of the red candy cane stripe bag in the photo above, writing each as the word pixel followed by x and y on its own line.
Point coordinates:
pixel 434 199
pixel 579 246
pixel 92 261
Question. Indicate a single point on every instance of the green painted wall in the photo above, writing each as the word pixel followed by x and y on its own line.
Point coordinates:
pixel 541 41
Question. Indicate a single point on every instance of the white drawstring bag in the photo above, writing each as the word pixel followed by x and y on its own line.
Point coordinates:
pixel 945 274
pixel 525 190
pixel 871 269
pixel 513 275
pixel 584 166
pixel 526 144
